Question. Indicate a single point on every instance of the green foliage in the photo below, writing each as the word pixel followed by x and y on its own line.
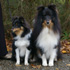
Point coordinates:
pixel 66 35
pixel 61 1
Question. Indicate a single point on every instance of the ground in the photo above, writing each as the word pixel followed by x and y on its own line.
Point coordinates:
pixel 63 64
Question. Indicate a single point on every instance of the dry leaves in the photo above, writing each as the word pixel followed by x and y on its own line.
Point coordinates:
pixel 65 46
pixel 18 65
pixel 8 45
pixel 67 64
pixel 57 69
pixel 36 66
pixel 63 51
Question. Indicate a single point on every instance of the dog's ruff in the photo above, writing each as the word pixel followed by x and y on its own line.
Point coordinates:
pixel 47 39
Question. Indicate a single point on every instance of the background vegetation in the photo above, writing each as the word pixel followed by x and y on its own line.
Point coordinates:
pixel 27 8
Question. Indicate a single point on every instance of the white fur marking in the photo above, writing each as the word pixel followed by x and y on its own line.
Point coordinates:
pixel 21 43
pixel 17 57
pixel 28 35
pixel 52 57
pixel 26 57
pixel 44 61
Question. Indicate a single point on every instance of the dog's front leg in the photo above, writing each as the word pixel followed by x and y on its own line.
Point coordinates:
pixel 52 57
pixel 26 57
pixel 17 57
pixel 44 61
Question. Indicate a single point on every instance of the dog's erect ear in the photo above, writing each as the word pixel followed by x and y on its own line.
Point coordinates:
pixel 52 6
pixel 14 18
pixel 24 23
pixel 21 19
pixel 40 8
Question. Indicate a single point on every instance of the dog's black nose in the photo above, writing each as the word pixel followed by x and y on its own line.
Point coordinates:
pixel 47 22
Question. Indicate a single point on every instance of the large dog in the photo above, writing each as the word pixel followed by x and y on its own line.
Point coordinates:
pixel 21 40
pixel 46 35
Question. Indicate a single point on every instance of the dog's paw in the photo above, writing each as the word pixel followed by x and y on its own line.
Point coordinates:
pixel 17 63
pixel 51 64
pixel 44 64
pixel 26 63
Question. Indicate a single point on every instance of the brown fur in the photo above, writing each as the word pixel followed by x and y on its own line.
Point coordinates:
pixel 47 25
pixel 39 52
pixel 18 31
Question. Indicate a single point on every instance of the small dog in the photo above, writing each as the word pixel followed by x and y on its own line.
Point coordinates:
pixel 46 35
pixel 21 40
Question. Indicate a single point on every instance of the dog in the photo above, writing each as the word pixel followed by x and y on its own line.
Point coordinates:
pixel 21 40
pixel 46 35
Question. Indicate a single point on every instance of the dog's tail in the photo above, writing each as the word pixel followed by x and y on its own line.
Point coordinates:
pixel 59 54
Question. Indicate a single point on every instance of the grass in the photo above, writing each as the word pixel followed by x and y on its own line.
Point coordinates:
pixel 65 35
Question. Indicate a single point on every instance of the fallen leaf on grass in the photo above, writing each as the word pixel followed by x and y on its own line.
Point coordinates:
pixel 63 51
pixel 33 65
pixel 67 64
pixel 68 43
pixel 57 69
pixel 65 46
pixel 9 48
pixel 36 66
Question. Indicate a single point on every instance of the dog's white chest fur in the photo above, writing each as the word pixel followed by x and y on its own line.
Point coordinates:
pixel 23 43
pixel 47 40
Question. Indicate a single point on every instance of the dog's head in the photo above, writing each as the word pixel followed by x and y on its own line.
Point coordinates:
pixel 19 25
pixel 48 17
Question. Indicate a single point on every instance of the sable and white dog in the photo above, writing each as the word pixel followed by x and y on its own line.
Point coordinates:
pixel 46 35
pixel 21 40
